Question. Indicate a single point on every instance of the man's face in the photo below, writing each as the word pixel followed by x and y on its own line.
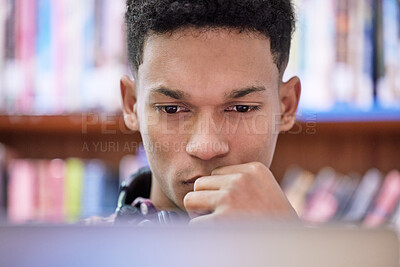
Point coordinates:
pixel 205 100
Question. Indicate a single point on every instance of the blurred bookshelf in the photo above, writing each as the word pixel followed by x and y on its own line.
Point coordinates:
pixel 59 90
pixel 349 114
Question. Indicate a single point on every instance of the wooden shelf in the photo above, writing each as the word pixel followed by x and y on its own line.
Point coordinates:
pixel 360 127
pixel 95 123
pixel 346 146
pixel 78 135
pixel 75 123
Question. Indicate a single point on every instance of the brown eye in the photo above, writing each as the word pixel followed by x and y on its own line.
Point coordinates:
pixel 241 108
pixel 171 109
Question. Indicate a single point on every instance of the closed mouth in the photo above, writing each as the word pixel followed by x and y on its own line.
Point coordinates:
pixel 192 180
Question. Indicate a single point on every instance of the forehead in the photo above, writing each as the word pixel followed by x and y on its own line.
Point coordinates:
pixel 207 62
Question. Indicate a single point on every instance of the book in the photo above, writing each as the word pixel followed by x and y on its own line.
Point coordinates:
pixel 344 191
pixel 290 177
pixel 363 196
pixel 4 10
pixel 73 189
pixel 112 48
pixel 395 220
pixel 93 188
pixel 342 76
pixel 386 201
pixel 22 202
pixel 317 52
pixel 51 190
pixel 321 203
pixel 25 51
pixel 296 184
pixel 3 183
pixel 57 174
pixel 110 194
pixel 44 64
pixel 58 58
pixel 361 43
pixel 11 82
pixel 388 32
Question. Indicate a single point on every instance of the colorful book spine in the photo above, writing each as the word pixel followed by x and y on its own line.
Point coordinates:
pixel 73 55
pixel 22 202
pixel 322 204
pixel 90 83
pixel 56 176
pixel 363 196
pixel 365 74
pixel 51 174
pixel 344 193
pixel 360 56
pixel 73 189
pixel 57 55
pixel 395 220
pixel 3 183
pixel 294 66
pixel 318 49
pixel 93 188
pixel 289 179
pixel 44 191
pixel 4 10
pixel 44 83
pixel 110 194
pixel 297 189
pixel 388 83
pixel 113 51
pixel 25 51
pixel 386 201
pixel 11 81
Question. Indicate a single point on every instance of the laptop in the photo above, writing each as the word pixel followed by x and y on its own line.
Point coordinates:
pixel 219 245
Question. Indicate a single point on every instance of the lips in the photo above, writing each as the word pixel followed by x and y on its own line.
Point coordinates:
pixel 192 180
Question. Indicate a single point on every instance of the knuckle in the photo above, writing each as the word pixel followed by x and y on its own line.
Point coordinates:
pixel 257 166
pixel 226 197
pixel 188 199
pixel 197 184
pixel 240 179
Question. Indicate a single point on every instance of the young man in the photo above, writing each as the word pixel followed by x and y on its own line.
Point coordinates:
pixel 209 102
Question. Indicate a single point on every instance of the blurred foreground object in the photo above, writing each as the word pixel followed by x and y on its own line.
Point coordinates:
pixel 219 245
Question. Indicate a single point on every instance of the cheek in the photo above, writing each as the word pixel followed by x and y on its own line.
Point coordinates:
pixel 255 139
pixel 162 141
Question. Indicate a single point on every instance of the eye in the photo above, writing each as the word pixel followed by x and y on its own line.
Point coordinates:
pixel 171 109
pixel 242 108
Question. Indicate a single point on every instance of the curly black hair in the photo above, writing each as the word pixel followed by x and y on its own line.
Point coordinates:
pixel 273 18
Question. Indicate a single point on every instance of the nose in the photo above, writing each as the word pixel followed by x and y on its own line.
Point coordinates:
pixel 207 142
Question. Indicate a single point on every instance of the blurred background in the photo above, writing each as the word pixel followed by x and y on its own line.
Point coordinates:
pixel 64 147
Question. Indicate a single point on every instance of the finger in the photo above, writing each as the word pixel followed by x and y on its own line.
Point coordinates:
pixel 200 202
pixel 204 219
pixel 215 182
pixel 240 168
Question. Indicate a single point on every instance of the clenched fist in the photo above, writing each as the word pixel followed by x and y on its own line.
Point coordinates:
pixel 245 191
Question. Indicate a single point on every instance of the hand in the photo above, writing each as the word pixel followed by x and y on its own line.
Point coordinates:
pixel 245 191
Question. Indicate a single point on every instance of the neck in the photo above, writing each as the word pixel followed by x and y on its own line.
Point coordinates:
pixel 162 202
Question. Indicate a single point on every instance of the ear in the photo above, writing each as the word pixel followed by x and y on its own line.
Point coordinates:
pixel 129 104
pixel 289 95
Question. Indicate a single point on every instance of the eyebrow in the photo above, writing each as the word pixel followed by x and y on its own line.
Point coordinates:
pixel 238 93
pixel 176 94
pixel 243 92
